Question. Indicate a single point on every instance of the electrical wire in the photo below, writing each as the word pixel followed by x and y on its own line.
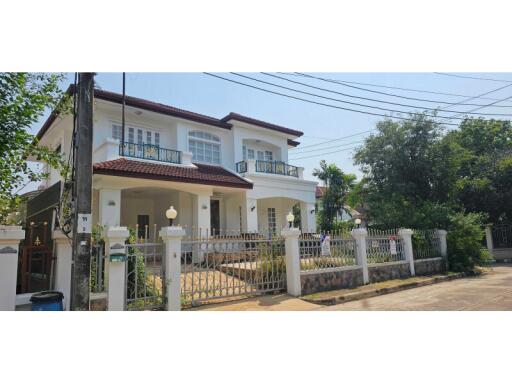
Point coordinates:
pixel 473 77
pixel 346 83
pixel 378 101
pixel 323 154
pixel 313 102
pixel 343 101
pixel 331 147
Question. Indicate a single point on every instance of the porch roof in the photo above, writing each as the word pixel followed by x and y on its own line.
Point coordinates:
pixel 203 174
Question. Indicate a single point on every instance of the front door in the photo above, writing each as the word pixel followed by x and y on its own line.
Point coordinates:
pixel 215 217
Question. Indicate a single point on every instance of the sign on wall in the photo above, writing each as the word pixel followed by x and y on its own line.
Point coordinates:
pixel 84 223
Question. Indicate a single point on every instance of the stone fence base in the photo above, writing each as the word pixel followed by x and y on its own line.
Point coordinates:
pixel 502 254
pixel 429 266
pixel 388 271
pixel 327 280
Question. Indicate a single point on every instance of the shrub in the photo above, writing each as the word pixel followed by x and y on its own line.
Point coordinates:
pixel 464 241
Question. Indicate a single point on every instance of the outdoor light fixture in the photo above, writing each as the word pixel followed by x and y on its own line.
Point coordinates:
pixel 253 208
pixel 290 218
pixel 171 214
pixel 358 222
pixel 312 211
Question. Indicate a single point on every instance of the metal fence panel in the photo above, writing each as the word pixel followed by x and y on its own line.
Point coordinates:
pixel 331 250
pixel 502 236
pixel 97 276
pixel 426 244
pixel 145 276
pixel 384 246
pixel 231 264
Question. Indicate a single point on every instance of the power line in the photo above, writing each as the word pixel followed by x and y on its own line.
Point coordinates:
pixel 325 148
pixel 346 83
pixel 366 98
pixel 331 98
pixel 323 154
pixel 488 105
pixel 473 77
pixel 314 102
pixel 333 140
pixel 483 94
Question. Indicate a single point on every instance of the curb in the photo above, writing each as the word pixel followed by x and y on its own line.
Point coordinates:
pixel 383 291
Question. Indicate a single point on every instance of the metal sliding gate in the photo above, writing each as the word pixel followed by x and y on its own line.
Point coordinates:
pixel 145 276
pixel 218 267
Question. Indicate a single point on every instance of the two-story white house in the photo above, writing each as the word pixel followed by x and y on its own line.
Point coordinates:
pixel 220 174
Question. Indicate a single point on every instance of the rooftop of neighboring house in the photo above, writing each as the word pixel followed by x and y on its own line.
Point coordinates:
pixel 169 110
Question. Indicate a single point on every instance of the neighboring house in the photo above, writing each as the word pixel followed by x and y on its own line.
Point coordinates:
pixel 227 174
pixel 348 212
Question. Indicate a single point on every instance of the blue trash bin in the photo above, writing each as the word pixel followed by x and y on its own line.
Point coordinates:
pixel 47 301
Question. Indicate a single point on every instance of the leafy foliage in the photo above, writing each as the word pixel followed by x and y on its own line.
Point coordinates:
pixel 338 185
pixel 24 97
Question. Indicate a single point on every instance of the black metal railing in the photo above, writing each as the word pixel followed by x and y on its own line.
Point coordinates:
pixel 502 236
pixel 241 166
pixel 276 167
pixel 149 152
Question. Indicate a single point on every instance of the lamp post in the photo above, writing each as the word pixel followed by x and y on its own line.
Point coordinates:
pixel 357 222
pixel 171 214
pixel 289 218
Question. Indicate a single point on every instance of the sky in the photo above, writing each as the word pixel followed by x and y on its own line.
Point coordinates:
pixel 198 92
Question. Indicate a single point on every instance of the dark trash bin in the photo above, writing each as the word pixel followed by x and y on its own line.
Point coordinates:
pixel 47 301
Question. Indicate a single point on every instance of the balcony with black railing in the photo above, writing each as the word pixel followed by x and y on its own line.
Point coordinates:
pixel 273 167
pixel 149 152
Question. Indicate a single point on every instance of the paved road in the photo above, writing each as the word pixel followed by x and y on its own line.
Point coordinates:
pixel 490 292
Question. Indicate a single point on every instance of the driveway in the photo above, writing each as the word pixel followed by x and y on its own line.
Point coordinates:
pixel 490 292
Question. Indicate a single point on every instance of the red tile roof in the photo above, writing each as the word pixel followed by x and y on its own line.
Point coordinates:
pixel 259 123
pixel 170 111
pixel 203 174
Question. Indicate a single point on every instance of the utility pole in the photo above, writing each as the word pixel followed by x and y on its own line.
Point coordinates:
pixel 82 193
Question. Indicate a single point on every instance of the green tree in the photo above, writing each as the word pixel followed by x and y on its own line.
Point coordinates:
pixel 406 167
pixel 338 185
pixel 24 97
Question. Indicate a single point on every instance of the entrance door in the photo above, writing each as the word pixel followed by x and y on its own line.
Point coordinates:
pixel 215 217
pixel 143 226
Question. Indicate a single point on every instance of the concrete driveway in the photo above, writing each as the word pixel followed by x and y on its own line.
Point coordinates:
pixel 490 292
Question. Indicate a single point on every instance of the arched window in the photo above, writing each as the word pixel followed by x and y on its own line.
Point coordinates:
pixel 204 146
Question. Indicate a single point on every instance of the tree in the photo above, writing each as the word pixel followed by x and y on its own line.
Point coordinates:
pixel 484 178
pixel 406 167
pixel 24 97
pixel 337 184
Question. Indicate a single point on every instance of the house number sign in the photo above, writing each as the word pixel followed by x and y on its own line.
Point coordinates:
pixel 84 223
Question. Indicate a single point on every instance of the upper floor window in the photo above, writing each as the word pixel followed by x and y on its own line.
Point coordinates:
pixel 116 131
pixel 204 146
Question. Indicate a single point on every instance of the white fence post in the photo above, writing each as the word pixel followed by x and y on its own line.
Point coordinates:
pixel 488 238
pixel 10 237
pixel 115 249
pixel 406 235
pixel 172 257
pixel 359 234
pixel 441 233
pixel 291 245
pixel 63 267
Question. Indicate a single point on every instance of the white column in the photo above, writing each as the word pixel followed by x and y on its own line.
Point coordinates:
pixel 250 215
pixel 308 217
pixel 172 239
pixel 251 166
pixel 441 233
pixel 488 238
pixel 10 237
pixel 110 207
pixel 63 266
pixel 359 234
pixel 202 211
pixel 291 243
pixel 406 235
pixel 116 260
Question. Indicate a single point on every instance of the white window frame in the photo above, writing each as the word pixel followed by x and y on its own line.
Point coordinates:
pixel 205 147
pixel 271 219
pixel 117 131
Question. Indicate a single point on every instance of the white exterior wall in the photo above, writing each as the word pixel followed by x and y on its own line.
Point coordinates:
pixel 243 133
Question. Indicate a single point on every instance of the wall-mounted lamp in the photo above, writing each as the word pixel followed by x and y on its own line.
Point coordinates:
pixel 289 218
pixel 253 208
pixel 171 214
pixel 204 206
pixel 312 211
pixel 111 203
